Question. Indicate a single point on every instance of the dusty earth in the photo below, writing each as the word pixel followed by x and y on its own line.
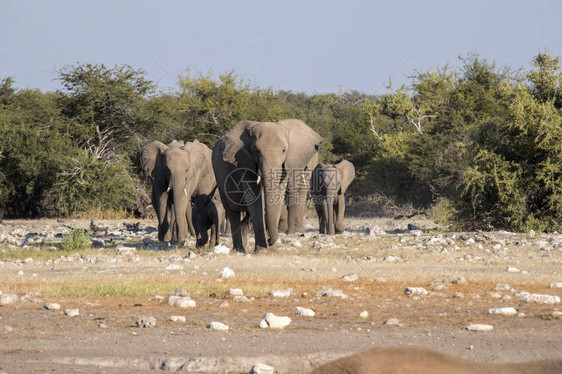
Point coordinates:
pixel 131 276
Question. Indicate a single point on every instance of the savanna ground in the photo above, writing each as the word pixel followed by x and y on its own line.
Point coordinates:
pixel 113 287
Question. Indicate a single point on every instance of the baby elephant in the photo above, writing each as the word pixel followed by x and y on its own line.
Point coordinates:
pixel 328 186
pixel 208 213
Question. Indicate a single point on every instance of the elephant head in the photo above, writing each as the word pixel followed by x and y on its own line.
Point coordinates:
pixel 329 184
pixel 175 172
pixel 272 151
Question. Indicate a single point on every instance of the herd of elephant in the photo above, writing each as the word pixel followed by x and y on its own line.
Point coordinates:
pixel 264 173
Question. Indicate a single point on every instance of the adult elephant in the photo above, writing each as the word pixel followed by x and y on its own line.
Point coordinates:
pixel 255 157
pixel 178 172
pixel 329 184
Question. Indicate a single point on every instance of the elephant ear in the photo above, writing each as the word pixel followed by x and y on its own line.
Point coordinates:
pixel 303 143
pixel 151 158
pixel 196 155
pixel 235 142
pixel 347 174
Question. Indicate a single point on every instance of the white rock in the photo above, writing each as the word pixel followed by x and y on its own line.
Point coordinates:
pixel 185 302
pixel 511 269
pixel 217 326
pixel 260 368
pixel 226 272
pixel 507 311
pixel 9 298
pixel 235 292
pixel 174 267
pixel 479 327
pixel 300 311
pixel 71 312
pixel 178 319
pixel 541 299
pixel 392 322
pixel 532 234
pixel 556 314
pixel 221 249
pixel 241 299
pixel 556 285
pixel 374 230
pixel 350 277
pixel 502 287
pixel 274 322
pixel 146 322
pixel 392 259
pixel 364 314
pixel 460 280
pixel 328 292
pixel 281 293
pixel 415 291
pixel 52 306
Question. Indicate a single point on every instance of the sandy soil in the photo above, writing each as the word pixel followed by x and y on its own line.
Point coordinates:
pixel 112 290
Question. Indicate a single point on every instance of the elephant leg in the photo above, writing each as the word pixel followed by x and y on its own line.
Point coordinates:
pixel 214 231
pixel 283 220
pixel 189 220
pixel 321 218
pixel 257 216
pixel 236 227
pixel 246 232
pixel 164 233
pixel 328 211
pixel 339 208
pixel 296 211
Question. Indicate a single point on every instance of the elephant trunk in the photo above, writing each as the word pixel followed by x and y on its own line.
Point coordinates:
pixel 274 198
pixel 180 209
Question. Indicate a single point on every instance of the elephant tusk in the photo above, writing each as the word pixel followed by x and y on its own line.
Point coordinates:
pixel 258 180
pixel 185 192
pixel 169 188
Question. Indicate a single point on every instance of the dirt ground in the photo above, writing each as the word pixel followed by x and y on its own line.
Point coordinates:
pixel 113 288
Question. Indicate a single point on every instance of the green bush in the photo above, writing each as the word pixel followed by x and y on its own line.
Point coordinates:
pixel 76 240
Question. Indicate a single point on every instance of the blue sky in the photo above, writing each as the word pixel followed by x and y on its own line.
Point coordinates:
pixel 311 46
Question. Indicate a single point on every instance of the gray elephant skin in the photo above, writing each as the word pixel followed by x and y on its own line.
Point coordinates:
pixel 254 162
pixel 329 184
pixel 208 215
pixel 178 172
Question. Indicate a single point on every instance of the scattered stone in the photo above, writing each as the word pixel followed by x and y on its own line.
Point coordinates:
pixel 458 295
pixel 260 368
pixel 392 322
pixel 495 295
pixel 532 234
pixel 184 302
pixel 415 291
pixel 502 287
pixel 235 292
pixel 71 312
pixel 328 292
pixel 392 259
pixel 52 306
pixel 9 298
pixel 223 304
pixel 439 287
pixel 145 322
pixel 556 285
pixel 305 312
pixel 217 326
pixel 241 299
pixel 281 293
pixel 178 319
pixel 508 311
pixel 541 299
pixel 221 249
pixel 97 243
pixel 460 280
pixel 174 267
pixel 479 327
pixel 190 255
pixel 374 230
pixel 556 314
pixel 226 273
pixel 350 277
pixel 364 314
pixel 512 269
pixel 274 322
pixel 8 329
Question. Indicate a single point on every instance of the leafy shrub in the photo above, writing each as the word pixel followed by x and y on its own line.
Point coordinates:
pixel 76 240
